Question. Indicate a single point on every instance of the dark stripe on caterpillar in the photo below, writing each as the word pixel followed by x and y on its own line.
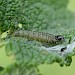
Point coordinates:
pixel 39 36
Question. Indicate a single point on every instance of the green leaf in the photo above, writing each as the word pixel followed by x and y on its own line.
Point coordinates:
pixel 38 15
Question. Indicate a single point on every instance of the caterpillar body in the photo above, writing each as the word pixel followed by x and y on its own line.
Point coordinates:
pixel 43 37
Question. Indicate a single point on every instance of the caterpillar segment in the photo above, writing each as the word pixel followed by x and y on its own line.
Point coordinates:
pixel 39 36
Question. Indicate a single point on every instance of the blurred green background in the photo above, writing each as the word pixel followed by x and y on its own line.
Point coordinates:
pixel 45 69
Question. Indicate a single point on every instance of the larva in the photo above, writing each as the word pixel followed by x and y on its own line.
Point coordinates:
pixel 39 36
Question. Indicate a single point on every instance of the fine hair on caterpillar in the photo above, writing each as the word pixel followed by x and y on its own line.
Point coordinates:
pixel 43 37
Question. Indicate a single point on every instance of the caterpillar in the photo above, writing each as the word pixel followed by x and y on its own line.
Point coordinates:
pixel 43 37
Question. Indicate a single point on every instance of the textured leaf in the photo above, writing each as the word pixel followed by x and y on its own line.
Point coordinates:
pixel 38 15
pixel 30 54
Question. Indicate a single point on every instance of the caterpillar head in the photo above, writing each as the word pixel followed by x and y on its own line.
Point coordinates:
pixel 59 38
